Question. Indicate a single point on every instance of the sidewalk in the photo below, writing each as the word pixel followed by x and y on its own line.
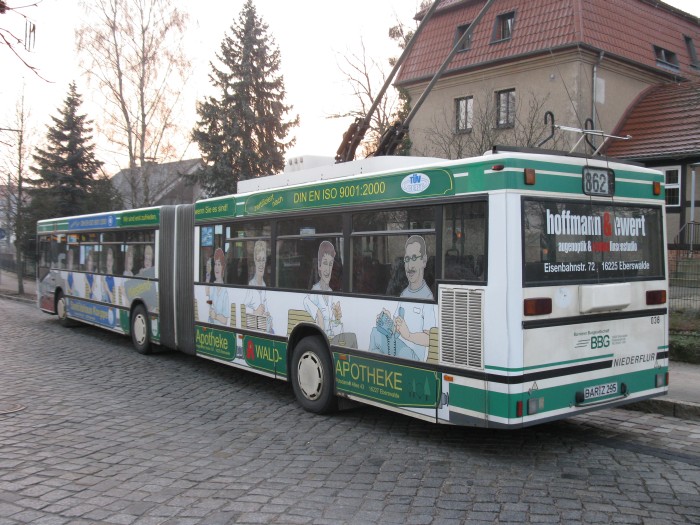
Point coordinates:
pixel 683 399
pixel 8 287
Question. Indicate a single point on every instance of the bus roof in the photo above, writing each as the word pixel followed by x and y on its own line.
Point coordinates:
pixel 395 179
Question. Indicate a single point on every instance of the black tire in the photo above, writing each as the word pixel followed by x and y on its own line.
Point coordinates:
pixel 140 330
pixel 62 311
pixel 312 376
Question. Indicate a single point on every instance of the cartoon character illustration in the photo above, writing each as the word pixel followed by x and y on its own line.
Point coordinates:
pixel 69 267
pixel 148 270
pixel 406 334
pixel 219 309
pixel 129 261
pixel 322 308
pixel 208 275
pixel 256 299
pixel 108 280
pixel 90 278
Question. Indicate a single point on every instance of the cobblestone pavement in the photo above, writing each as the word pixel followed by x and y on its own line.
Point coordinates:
pixel 92 432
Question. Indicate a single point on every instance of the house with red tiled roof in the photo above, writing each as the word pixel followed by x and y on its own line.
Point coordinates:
pixel 664 122
pixel 589 63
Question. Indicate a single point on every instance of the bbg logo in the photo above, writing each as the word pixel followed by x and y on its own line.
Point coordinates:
pixel 415 183
pixel 600 341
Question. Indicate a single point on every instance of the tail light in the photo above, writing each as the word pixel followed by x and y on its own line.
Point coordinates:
pixel 537 306
pixel 656 297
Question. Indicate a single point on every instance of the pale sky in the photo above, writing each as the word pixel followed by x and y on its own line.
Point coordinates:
pixel 312 36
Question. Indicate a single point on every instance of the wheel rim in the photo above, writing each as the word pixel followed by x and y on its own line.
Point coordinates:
pixel 310 376
pixel 139 329
pixel 61 308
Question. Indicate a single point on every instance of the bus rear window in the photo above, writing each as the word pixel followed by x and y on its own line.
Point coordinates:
pixel 590 242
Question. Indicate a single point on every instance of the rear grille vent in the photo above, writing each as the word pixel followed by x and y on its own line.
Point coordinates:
pixel 462 327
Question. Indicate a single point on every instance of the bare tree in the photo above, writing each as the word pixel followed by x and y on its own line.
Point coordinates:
pixel 441 138
pixel 366 76
pixel 15 171
pixel 134 50
pixel 13 41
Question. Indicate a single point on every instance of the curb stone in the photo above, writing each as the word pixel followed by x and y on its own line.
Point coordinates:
pixel 668 407
pixel 17 297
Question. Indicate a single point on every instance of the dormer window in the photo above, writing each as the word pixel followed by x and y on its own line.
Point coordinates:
pixel 666 58
pixel 460 31
pixel 503 30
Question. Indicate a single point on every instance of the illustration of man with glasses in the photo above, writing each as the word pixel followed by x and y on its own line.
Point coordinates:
pixel 407 333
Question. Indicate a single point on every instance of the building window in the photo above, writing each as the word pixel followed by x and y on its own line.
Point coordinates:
pixel 458 35
pixel 464 111
pixel 666 58
pixel 672 175
pixel 673 185
pixel 505 101
pixel 503 30
pixel 692 53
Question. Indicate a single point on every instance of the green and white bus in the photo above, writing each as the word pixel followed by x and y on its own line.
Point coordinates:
pixel 499 291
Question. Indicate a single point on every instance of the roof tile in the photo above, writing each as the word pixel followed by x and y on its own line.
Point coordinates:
pixel 628 29
pixel 663 122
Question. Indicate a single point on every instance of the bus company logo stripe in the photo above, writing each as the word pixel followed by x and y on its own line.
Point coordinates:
pixel 415 183
pixel 141 218
pixel 352 191
pixel 94 221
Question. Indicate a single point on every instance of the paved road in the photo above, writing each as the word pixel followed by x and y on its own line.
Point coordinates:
pixel 109 436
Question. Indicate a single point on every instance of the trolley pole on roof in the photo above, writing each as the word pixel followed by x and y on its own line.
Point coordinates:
pixel 356 132
pixel 393 136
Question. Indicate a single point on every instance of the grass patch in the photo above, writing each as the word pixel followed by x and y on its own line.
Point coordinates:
pixel 684 336
pixel 685 321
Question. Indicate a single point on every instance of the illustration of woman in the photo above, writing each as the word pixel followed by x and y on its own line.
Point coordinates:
pixel 89 268
pixel 148 270
pixel 129 261
pixel 322 308
pixel 326 257
pixel 69 267
pixel 208 275
pixel 108 280
pixel 219 304
pixel 256 299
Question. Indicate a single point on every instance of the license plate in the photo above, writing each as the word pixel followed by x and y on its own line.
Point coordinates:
pixel 599 391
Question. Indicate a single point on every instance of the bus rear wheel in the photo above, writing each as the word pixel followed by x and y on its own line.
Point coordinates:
pixel 62 310
pixel 312 376
pixel 140 330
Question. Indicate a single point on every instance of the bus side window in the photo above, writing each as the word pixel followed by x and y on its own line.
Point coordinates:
pixel 87 259
pixel 44 252
pixel 60 252
pixel 464 241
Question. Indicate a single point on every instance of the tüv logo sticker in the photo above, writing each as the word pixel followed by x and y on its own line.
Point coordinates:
pixel 415 183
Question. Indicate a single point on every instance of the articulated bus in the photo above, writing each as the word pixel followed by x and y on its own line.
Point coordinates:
pixel 504 290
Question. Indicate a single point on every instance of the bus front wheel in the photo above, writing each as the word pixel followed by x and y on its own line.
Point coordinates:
pixel 139 330
pixel 312 376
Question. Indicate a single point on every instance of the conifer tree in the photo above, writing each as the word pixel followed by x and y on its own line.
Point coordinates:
pixel 68 182
pixel 241 132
